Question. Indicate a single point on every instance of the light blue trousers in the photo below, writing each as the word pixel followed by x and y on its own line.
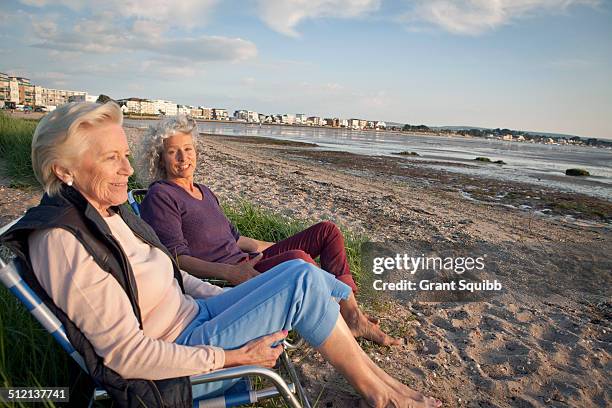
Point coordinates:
pixel 293 295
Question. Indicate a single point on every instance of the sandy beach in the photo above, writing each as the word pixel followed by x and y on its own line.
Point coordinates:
pixel 545 341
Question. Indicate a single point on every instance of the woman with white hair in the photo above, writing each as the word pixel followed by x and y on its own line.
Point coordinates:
pixel 120 293
pixel 189 221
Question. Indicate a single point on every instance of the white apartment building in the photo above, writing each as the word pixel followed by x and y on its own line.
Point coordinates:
pixel 316 120
pixel 83 98
pixel 55 97
pixel 241 115
pixel 195 112
pixel 137 106
pixel 207 113
pixel 300 118
pixel 353 123
pixel 220 114
pixel 183 110
pixel 163 107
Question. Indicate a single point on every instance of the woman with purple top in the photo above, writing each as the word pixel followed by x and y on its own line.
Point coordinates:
pixel 189 221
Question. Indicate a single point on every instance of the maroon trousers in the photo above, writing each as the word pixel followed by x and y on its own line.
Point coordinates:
pixel 322 240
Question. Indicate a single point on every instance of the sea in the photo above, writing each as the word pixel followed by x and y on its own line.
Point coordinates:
pixel 533 163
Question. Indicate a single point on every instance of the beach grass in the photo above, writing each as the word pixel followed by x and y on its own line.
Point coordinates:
pixel 264 225
pixel 15 149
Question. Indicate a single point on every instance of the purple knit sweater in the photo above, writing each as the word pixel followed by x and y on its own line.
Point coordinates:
pixel 188 226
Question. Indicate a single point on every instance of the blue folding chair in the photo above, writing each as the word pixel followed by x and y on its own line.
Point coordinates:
pixel 240 394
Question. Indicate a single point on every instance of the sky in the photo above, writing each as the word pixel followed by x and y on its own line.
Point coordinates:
pixel 539 65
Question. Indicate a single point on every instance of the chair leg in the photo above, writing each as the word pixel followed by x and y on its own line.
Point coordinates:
pixel 241 371
pixel 295 379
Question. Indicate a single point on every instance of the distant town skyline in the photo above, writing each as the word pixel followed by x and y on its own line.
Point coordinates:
pixel 535 65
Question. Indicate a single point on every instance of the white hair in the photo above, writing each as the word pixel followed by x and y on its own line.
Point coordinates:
pixel 149 162
pixel 59 137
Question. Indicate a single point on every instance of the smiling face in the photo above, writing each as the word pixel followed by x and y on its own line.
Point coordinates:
pixel 179 157
pixel 103 169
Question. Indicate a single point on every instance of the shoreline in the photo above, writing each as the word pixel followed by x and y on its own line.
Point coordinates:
pixel 513 194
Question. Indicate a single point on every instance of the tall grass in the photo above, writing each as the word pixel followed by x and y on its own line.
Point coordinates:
pixel 264 225
pixel 15 149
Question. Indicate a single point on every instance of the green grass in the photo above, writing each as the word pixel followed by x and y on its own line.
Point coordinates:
pixel 15 149
pixel 28 354
pixel 266 226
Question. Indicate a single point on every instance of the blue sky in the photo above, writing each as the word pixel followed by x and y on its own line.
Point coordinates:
pixel 542 65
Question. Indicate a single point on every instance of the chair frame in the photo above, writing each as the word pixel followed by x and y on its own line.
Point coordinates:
pixel 291 393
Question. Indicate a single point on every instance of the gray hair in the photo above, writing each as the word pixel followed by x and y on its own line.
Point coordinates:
pixel 59 137
pixel 149 155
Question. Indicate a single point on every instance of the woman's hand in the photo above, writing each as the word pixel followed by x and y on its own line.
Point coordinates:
pixel 258 352
pixel 243 271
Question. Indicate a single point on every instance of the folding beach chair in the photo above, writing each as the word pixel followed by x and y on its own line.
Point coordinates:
pixel 239 394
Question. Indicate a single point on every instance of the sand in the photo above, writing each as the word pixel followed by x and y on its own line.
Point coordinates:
pixel 544 342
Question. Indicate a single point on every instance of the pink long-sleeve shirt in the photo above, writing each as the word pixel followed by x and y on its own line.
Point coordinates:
pixel 100 308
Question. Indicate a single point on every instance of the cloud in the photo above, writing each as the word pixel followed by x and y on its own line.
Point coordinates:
pixel 202 49
pixel 102 36
pixel 72 4
pixel 473 17
pixel 175 14
pixel 248 81
pixel 284 15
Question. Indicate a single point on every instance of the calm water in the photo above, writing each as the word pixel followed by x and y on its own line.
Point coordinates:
pixel 533 163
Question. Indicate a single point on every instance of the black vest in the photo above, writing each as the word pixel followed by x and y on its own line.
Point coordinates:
pixel 71 211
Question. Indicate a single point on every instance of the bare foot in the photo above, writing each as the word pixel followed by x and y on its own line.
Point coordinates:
pixel 361 326
pixel 400 401
pixel 372 319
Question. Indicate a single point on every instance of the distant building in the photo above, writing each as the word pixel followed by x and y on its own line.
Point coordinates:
pixel 137 106
pixel 183 110
pixel 163 107
pixel 6 94
pixel 219 114
pixel 195 112
pixel 343 122
pixel 55 97
pixel 315 120
pixel 246 116
pixel 83 98
pixel 333 122
pixel 353 123
pixel 300 118
pixel 380 125
pixel 207 113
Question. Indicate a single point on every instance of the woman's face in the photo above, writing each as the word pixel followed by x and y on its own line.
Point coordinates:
pixel 179 156
pixel 103 170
